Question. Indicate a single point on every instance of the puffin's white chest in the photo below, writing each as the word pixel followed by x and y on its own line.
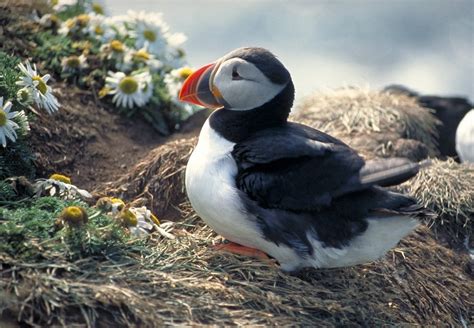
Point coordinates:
pixel 465 138
pixel 210 185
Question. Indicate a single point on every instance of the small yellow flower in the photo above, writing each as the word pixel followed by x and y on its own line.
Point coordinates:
pixel 73 216
pixel 117 46
pixel 82 20
pixel 61 178
pixel 149 35
pixel 82 45
pixel 70 23
pixel 41 87
pixel 141 55
pixel 185 72
pixel 128 218
pixel 99 30
pixel 128 85
pixel 97 8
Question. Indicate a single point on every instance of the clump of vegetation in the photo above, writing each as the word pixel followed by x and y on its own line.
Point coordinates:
pixel 446 187
pixel 133 62
pixel 375 123
pixel 16 157
pixel 33 228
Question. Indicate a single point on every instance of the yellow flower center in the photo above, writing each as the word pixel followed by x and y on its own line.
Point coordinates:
pixel 117 46
pixel 99 30
pixel 74 215
pixel 185 72
pixel 98 9
pixel 128 218
pixel 70 23
pixel 54 2
pixel 83 20
pixel 54 19
pixel 128 85
pixel 149 35
pixel 3 117
pixel 142 55
pixel 73 62
pixel 114 200
pixel 42 87
pixel 61 178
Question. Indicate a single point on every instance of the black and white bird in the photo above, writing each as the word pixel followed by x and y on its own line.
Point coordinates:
pixel 290 191
pixel 465 138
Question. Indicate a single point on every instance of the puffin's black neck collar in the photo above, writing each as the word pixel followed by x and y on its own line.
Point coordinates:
pixel 236 126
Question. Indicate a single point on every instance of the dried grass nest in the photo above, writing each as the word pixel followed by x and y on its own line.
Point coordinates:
pixel 377 124
pixel 447 188
pixel 182 281
pixel 157 180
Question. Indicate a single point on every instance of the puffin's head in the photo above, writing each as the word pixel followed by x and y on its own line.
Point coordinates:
pixel 243 79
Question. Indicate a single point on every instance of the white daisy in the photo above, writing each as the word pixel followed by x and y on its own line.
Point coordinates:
pixel 60 185
pixel 74 25
pixel 145 222
pixel 74 63
pixel 61 5
pixel 42 93
pixel 96 7
pixel 139 59
pixel 149 29
pixel 7 126
pixel 129 90
pixel 101 28
pixel 115 50
pixel 110 205
pixel 24 96
pixel 22 121
pixel 47 20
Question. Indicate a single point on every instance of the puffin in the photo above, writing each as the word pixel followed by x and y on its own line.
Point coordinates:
pixel 465 138
pixel 282 190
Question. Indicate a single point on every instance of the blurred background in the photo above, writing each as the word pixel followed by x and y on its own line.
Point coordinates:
pixel 427 45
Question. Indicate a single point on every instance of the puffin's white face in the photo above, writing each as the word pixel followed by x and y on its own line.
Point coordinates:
pixel 244 79
pixel 242 85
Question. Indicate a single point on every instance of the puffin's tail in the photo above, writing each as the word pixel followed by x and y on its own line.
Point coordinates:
pixel 390 172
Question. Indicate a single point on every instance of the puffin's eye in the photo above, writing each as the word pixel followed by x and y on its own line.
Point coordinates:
pixel 235 74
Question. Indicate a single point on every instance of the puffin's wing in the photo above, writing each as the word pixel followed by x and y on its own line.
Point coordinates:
pixel 302 169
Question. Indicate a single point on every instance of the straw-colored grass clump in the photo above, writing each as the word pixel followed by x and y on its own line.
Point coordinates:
pixel 447 188
pixel 375 123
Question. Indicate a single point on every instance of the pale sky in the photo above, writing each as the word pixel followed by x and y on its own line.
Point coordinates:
pixel 427 45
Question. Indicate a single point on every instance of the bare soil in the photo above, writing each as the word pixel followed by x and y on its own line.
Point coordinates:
pixel 92 143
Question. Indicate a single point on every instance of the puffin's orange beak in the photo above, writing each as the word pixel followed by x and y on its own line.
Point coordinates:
pixel 198 88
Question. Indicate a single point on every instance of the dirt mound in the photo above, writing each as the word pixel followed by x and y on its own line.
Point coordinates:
pixel 377 124
pixel 183 281
pixel 88 142
pixel 93 144
pixel 157 181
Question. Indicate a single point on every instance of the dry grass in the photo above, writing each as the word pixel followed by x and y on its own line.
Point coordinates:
pixel 375 123
pixel 183 281
pixel 447 188
pixel 157 181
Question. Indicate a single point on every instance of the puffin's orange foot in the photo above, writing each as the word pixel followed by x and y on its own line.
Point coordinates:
pixel 234 248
